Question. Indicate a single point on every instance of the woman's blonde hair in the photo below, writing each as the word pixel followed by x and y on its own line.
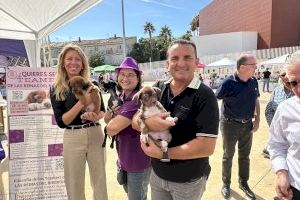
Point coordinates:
pixel 61 82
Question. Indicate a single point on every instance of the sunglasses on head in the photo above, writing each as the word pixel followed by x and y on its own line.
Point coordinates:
pixel 293 83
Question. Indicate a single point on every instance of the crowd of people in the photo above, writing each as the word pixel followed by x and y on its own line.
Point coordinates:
pixel 182 171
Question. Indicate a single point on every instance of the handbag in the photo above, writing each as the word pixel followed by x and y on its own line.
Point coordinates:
pixel 121 176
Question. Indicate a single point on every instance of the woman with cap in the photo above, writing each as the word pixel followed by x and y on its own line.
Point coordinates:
pixel 82 141
pixel 131 158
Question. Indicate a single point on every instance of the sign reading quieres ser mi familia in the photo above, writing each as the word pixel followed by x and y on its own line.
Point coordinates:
pixel 35 141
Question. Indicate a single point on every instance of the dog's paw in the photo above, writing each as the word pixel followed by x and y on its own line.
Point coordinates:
pixel 144 138
pixel 33 106
pixel 142 125
pixel 47 103
pixel 115 102
pixel 164 146
pixel 172 119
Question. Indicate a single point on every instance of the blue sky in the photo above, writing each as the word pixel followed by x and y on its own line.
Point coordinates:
pixel 105 20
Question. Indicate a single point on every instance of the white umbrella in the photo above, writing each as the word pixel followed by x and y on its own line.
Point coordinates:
pixel 224 62
pixel 275 61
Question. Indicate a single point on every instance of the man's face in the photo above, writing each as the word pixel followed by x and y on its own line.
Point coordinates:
pixel 182 62
pixel 293 74
pixel 249 67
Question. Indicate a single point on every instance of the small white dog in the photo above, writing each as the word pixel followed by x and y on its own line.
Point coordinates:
pixel 150 107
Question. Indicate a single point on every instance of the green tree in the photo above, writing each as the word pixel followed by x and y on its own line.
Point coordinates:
pixel 149 28
pixel 166 33
pixel 187 35
pixel 194 24
pixel 164 39
pixel 96 59
pixel 140 51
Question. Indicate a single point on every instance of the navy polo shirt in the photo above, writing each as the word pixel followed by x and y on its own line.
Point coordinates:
pixel 239 97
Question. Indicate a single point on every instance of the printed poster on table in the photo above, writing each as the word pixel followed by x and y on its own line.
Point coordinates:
pixel 35 141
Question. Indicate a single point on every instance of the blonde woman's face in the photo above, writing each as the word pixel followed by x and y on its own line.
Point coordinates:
pixel 73 63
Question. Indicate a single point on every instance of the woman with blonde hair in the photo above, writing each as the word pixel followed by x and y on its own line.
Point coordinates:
pixel 82 141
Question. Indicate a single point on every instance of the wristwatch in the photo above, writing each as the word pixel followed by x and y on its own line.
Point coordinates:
pixel 165 157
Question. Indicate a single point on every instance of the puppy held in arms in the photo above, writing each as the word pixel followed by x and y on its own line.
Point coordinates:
pixel 150 106
pixel 80 87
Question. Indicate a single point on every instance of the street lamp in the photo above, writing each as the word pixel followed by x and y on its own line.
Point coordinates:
pixel 123 25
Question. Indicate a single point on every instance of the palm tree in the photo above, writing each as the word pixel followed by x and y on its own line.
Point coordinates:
pixel 163 41
pixel 187 35
pixel 166 33
pixel 149 28
pixel 195 24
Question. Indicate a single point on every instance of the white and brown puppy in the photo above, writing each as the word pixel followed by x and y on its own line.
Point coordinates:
pixel 80 87
pixel 38 100
pixel 150 106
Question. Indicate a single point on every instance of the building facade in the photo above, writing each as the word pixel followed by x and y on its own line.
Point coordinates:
pixel 111 49
pixel 277 22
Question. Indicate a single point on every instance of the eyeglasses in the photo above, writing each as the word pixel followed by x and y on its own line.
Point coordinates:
pixel 293 83
pixel 128 76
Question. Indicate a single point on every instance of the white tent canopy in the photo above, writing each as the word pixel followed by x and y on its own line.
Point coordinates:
pixel 224 62
pixel 275 61
pixel 31 20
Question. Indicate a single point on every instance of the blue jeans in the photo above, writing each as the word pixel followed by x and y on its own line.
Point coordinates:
pixel 266 83
pixel 167 190
pixel 137 184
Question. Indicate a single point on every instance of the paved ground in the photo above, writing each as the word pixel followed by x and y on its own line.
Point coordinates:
pixel 261 177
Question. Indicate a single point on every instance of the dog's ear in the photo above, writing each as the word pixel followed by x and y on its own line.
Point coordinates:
pixel 138 95
pixel 157 91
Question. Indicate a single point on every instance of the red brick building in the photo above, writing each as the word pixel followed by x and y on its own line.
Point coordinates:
pixel 276 21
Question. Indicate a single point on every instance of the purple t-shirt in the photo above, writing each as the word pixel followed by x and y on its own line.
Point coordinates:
pixel 131 156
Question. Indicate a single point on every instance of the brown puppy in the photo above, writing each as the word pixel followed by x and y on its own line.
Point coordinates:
pixel 37 96
pixel 79 87
pixel 148 97
pixel 38 100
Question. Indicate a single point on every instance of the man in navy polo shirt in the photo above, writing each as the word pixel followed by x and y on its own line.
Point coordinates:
pixel 240 105
pixel 194 134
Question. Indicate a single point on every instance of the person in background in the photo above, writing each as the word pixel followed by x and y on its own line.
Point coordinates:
pixel 266 79
pixel 131 157
pixel 82 141
pixel 284 141
pixel 279 94
pixel 200 77
pixel 257 75
pixel 194 134
pixel 240 106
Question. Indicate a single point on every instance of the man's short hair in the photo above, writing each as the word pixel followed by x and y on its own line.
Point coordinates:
pixel 242 60
pixel 182 42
